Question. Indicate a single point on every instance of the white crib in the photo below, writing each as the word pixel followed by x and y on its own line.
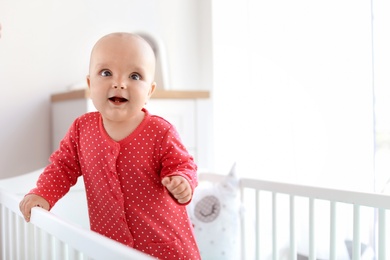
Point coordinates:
pixel 379 205
pixel 285 219
pixel 289 221
pixel 63 235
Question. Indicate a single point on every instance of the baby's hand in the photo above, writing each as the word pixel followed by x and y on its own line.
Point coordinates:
pixel 30 201
pixel 179 188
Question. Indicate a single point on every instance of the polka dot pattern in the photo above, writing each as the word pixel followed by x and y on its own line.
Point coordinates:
pixel 126 200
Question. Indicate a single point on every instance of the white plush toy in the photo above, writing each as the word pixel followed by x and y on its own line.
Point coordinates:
pixel 215 213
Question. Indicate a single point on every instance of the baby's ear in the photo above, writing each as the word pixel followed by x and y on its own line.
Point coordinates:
pixel 151 91
pixel 88 81
pixel 152 88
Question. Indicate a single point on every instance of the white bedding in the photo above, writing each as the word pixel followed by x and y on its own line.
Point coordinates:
pixel 72 207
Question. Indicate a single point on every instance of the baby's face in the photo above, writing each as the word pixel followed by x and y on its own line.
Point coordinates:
pixel 121 76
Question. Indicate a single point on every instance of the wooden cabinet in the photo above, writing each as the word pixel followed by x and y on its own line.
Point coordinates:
pixel 180 113
pixel 186 110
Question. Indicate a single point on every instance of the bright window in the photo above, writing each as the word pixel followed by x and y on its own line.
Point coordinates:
pixel 293 90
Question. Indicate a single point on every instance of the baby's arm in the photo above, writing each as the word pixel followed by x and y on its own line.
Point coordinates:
pixel 179 187
pixel 30 201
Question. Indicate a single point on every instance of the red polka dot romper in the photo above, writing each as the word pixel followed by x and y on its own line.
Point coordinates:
pixel 126 200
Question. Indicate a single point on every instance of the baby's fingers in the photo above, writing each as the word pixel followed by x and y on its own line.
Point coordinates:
pixel 29 202
pixel 25 209
pixel 182 193
pixel 183 198
pixel 167 182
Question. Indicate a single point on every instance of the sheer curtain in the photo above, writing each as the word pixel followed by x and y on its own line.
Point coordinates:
pixel 293 90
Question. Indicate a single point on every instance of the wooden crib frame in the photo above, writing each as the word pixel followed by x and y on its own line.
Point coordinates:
pixel 47 236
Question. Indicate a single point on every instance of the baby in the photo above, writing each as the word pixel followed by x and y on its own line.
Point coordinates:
pixel 137 173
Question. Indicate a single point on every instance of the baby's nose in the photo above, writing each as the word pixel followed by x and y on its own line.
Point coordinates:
pixel 121 86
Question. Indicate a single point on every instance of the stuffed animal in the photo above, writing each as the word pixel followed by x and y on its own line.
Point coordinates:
pixel 215 213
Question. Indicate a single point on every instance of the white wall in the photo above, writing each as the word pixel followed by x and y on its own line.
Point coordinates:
pixel 45 47
pixel 293 91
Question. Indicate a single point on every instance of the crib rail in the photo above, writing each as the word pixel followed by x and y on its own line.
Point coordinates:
pixel 253 190
pixel 47 236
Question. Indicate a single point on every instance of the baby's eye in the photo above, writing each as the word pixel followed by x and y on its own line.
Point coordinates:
pixel 135 76
pixel 105 73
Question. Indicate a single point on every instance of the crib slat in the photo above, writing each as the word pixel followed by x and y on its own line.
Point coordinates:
pixel 53 246
pixel 312 243
pixel 15 236
pixel 73 254
pixel 243 237
pixel 2 231
pixel 59 248
pixel 293 244
pixel 257 224
pixel 9 240
pixel 382 234
pixel 37 242
pixel 19 238
pixel 274 227
pixel 29 242
pixel 12 240
pixel 332 242
pixel 356 233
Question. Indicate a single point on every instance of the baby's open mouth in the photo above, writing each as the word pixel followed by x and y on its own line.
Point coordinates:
pixel 118 99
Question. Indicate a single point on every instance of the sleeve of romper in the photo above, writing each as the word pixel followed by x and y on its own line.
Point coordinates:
pixel 176 160
pixel 63 170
